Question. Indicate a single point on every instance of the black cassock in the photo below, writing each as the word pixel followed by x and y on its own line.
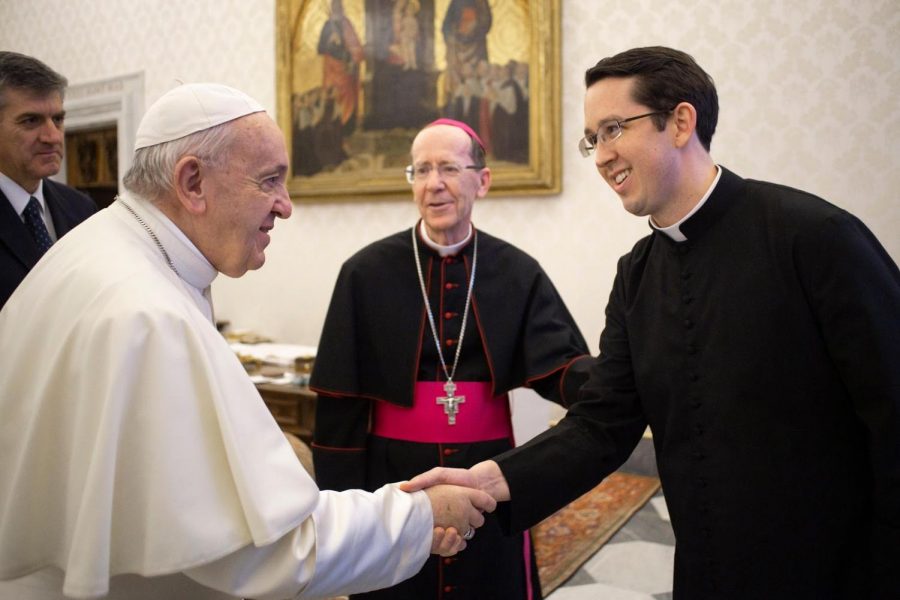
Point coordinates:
pixel 377 343
pixel 764 354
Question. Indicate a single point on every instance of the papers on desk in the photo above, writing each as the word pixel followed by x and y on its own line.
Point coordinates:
pixel 276 363
pixel 286 379
pixel 282 355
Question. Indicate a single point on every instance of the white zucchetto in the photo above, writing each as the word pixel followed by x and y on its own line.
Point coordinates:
pixel 190 108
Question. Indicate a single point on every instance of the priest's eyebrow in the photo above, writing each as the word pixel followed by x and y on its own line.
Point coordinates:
pixel 601 123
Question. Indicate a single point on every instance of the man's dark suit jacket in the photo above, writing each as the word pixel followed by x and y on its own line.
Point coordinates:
pixel 18 250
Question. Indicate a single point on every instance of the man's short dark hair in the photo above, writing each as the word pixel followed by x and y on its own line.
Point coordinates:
pixel 663 78
pixel 28 74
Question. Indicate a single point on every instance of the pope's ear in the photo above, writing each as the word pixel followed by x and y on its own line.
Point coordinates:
pixel 189 184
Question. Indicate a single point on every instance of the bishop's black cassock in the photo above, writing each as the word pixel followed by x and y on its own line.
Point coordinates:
pixel 377 343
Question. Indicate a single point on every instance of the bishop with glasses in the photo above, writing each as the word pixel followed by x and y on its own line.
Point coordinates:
pixel 428 331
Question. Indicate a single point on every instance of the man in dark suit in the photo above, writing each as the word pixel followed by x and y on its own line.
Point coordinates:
pixel 34 211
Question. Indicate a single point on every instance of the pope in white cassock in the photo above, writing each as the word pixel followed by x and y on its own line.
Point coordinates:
pixel 137 459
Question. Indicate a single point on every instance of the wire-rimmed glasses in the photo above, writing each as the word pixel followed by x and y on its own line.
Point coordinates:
pixel 610 131
pixel 446 171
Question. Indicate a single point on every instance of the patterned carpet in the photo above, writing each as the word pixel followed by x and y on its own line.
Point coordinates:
pixel 569 537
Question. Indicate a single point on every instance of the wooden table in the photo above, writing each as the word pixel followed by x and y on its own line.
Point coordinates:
pixel 293 406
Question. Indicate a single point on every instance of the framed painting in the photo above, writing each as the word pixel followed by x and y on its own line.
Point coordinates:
pixel 357 79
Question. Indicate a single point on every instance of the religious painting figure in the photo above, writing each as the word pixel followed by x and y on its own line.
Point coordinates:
pixel 304 160
pixel 406 33
pixel 317 139
pixel 402 91
pixel 328 129
pixel 509 116
pixel 465 28
pixel 342 52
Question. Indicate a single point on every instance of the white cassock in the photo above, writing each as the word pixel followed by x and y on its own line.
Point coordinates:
pixel 138 460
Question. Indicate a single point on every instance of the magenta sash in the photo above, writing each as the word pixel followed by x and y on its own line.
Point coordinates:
pixel 481 417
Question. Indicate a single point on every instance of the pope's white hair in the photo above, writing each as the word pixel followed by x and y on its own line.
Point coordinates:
pixel 152 173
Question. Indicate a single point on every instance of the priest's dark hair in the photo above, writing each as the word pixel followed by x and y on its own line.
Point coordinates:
pixel 664 77
pixel 22 72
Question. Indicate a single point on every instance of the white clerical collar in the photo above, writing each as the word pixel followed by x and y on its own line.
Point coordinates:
pixel 444 250
pixel 17 195
pixel 189 262
pixel 674 231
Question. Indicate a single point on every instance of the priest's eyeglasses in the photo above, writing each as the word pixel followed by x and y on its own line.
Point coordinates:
pixel 446 171
pixel 610 131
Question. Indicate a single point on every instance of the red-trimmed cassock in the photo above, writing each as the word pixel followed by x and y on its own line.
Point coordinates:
pixel 377 348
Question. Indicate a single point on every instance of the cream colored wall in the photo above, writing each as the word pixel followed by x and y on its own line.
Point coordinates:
pixel 808 94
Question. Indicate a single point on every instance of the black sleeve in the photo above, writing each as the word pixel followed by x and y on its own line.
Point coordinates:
pixel 339 442
pixel 555 353
pixel 853 287
pixel 597 435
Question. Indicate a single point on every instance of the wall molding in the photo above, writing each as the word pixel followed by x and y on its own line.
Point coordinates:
pixel 115 101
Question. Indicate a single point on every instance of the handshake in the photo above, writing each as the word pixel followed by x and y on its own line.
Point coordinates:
pixel 459 497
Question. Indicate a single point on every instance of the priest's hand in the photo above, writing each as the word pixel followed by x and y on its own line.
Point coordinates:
pixel 485 476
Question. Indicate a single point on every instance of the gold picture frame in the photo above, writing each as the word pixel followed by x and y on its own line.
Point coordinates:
pixel 356 79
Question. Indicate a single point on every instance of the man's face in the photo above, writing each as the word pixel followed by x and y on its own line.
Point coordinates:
pixel 640 165
pixel 445 203
pixel 247 193
pixel 31 136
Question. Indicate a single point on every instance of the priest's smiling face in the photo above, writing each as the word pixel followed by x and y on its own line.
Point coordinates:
pixel 445 196
pixel 641 164
pixel 246 195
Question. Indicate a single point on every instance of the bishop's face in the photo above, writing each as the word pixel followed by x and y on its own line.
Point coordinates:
pixel 248 193
pixel 445 196
pixel 31 136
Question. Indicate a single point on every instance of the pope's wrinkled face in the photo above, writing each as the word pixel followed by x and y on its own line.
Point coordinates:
pixel 445 196
pixel 247 194
pixel 31 136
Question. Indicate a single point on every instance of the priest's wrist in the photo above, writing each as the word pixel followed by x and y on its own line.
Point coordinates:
pixel 489 478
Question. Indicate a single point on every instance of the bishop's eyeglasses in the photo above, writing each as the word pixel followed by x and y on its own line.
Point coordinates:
pixel 446 171
pixel 610 131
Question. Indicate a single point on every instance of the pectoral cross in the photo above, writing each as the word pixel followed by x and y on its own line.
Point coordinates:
pixel 451 402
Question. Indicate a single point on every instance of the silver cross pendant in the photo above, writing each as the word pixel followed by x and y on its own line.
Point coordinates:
pixel 451 402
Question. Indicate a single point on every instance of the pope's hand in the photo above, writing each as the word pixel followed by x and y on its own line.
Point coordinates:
pixel 447 542
pixel 459 507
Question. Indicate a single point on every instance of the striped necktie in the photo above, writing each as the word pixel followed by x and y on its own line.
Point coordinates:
pixel 36 226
